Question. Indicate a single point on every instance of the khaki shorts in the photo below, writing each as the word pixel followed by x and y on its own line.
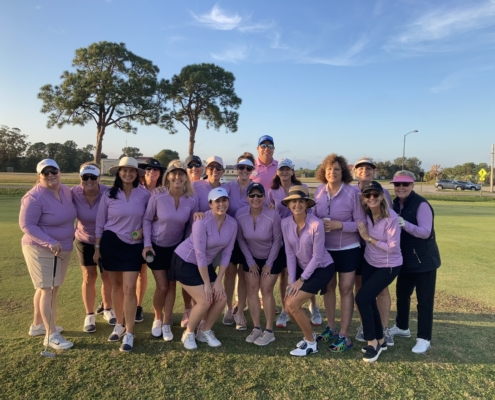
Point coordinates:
pixel 39 261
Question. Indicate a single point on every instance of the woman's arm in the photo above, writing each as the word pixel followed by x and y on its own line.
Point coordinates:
pixel 148 218
pixel 277 240
pixel 424 216
pixel 291 256
pixel 318 249
pixel 29 218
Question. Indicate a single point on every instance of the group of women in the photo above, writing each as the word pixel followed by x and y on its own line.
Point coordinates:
pixel 201 232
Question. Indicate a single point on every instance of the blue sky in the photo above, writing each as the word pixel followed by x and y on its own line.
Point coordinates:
pixel 350 77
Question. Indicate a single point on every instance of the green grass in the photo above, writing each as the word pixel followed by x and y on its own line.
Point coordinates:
pixel 460 364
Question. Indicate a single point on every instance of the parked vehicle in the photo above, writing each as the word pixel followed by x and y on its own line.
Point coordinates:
pixel 471 185
pixel 449 184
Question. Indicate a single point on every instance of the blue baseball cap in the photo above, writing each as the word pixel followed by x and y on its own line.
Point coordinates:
pixel 255 185
pixel 264 138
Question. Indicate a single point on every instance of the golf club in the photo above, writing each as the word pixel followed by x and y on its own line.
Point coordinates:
pixel 46 353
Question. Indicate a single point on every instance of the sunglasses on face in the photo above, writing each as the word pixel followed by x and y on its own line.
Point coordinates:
pixel 399 184
pixel 244 167
pixel 86 177
pixel 258 195
pixel 217 167
pixel 367 195
pixel 49 171
pixel 267 146
pixel 191 166
pixel 152 169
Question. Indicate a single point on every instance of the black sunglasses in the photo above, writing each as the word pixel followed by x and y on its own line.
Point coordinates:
pixel 152 169
pixel 367 195
pixel 399 184
pixel 243 167
pixel 90 176
pixel 49 171
pixel 191 166
pixel 267 146
pixel 258 195
pixel 217 167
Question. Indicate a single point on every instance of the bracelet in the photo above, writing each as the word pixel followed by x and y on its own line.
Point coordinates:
pixel 97 246
pixel 369 239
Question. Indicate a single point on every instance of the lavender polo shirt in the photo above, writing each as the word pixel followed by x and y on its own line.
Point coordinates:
pixel 202 188
pixel 86 214
pixel 45 220
pixel 386 253
pixel 262 240
pixel 237 198
pixel 264 174
pixel 345 206
pixel 306 249
pixel 206 241
pixel 424 217
pixel 169 229
pixel 275 196
pixel 122 216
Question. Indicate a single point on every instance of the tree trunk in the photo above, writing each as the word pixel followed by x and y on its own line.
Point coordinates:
pixel 192 136
pixel 99 143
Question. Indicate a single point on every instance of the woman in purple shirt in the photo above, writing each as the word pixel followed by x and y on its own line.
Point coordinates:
pixel 119 243
pixel 47 219
pixel 260 239
pixel 192 267
pixel 214 172
pixel 309 265
pixel 382 262
pixel 173 208
pixel 338 204
pixel 86 198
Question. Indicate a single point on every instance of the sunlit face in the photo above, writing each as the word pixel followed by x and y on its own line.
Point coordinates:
pixel 264 150
pixel 128 174
pixel 152 175
pixel 90 185
pixel 177 178
pixel 254 200
pixel 333 173
pixel 214 171
pixel 373 199
pixel 244 171
pixel 219 206
pixel 298 206
pixel 194 170
pixel 364 173
pixel 285 173
pixel 50 181
pixel 402 192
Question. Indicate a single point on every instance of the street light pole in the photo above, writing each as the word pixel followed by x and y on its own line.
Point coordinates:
pixel 404 148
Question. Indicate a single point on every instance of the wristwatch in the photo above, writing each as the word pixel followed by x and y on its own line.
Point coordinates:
pixel 97 246
pixel 302 279
pixel 369 239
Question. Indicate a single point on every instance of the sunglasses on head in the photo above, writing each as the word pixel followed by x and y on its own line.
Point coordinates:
pixel 258 195
pixel 267 146
pixel 47 172
pixel 367 195
pixel 399 184
pixel 217 167
pixel 196 165
pixel 90 176
pixel 244 167
pixel 152 169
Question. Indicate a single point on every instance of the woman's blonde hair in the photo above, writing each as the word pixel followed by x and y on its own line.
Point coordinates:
pixel 178 164
pixel 384 208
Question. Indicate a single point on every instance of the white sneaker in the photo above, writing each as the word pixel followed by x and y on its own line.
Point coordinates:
pixel 422 346
pixel 156 329
pixel 396 331
pixel 39 330
pixel 210 338
pixel 118 332
pixel 109 315
pixel 167 333
pixel 57 341
pixel 315 315
pixel 302 341
pixel 127 343
pixel 189 341
pixel 282 320
pixel 304 349
pixel 89 323
pixel 360 334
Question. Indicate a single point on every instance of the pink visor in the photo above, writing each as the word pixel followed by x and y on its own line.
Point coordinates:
pixel 402 178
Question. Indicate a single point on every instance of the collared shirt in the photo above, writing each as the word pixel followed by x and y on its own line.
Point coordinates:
pixel 168 230
pixel 264 174
pixel 122 216
pixel 206 241
pixel 306 249
pixel 275 196
pixel 262 239
pixel 86 213
pixel 345 206
pixel 425 222
pixel 386 252
pixel 45 220
pixel 237 197
pixel 202 189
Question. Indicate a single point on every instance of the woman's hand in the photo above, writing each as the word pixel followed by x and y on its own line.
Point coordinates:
pixel 293 288
pixel 266 271
pixel 271 206
pixel 96 256
pixel 208 293
pixel 334 225
pixel 198 215
pixel 402 223
pixel 56 248
pixel 146 249
pixel 363 230
pixel 253 269
pixel 160 189
pixel 218 291
pixel 139 235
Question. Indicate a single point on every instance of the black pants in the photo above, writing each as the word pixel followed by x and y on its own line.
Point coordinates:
pixel 424 282
pixel 374 281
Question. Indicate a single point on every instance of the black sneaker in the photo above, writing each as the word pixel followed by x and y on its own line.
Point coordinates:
pixel 100 309
pixel 139 314
pixel 371 353
pixel 384 347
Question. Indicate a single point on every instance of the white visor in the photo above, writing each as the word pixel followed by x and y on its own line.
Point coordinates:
pixel 89 169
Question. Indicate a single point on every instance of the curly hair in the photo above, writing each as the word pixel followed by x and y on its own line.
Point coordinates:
pixel 328 161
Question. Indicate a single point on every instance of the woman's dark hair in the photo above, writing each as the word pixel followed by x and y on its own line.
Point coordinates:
pixel 142 179
pixel 276 181
pixel 246 156
pixel 330 160
pixel 118 184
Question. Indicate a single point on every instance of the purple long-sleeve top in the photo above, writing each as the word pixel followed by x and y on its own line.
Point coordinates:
pixel 262 240
pixel 344 206
pixel 45 220
pixel 306 249
pixel 275 196
pixel 424 217
pixel 264 174
pixel 202 188
pixel 206 241
pixel 168 230
pixel 237 197
pixel 386 252
pixel 86 213
pixel 122 216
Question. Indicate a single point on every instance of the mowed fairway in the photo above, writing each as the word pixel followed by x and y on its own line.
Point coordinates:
pixel 460 365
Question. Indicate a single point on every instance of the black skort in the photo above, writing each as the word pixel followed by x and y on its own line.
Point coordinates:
pixel 85 253
pixel 237 256
pixel 318 280
pixel 163 258
pixel 278 265
pixel 359 269
pixel 118 256
pixel 188 274
pixel 346 260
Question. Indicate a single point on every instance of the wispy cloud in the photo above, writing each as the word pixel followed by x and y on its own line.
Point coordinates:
pixel 233 55
pixel 454 79
pixel 342 60
pixel 275 41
